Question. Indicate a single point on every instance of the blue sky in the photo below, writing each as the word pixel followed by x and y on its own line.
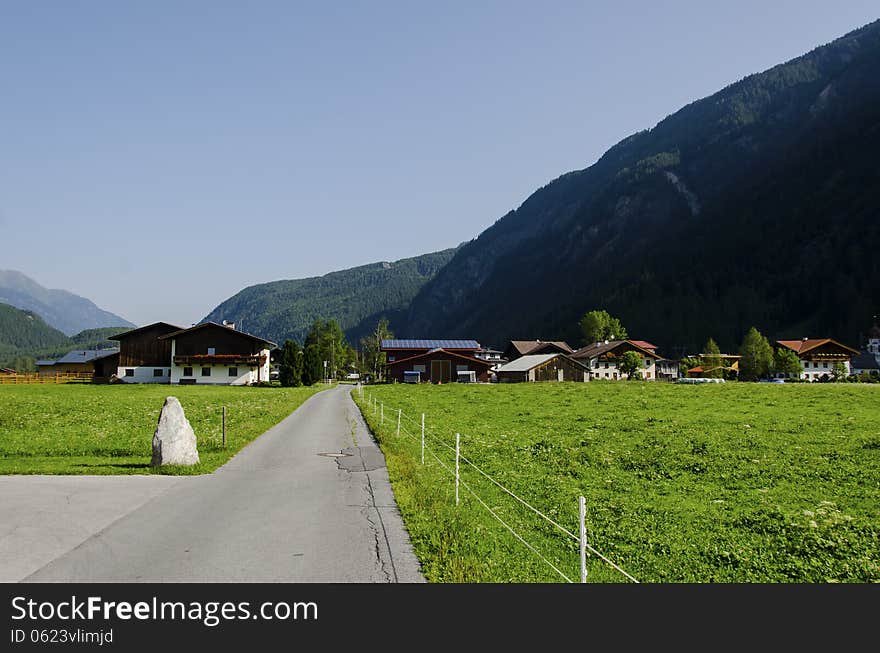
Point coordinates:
pixel 158 156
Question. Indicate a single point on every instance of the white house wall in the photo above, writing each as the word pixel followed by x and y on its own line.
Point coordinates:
pixel 813 370
pixel 143 374
pixel 220 373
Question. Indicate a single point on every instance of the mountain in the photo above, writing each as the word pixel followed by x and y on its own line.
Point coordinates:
pixel 758 205
pixel 356 298
pixel 25 337
pixel 61 309
pixel 25 330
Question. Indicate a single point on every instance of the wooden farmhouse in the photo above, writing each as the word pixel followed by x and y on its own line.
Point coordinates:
pixel 517 348
pixel 217 354
pixel 819 355
pixel 543 367
pixel 143 357
pixel 434 361
pixel 602 359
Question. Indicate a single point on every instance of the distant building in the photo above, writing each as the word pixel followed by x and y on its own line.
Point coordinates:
pixel 603 359
pixel 517 348
pixel 97 363
pixel 818 356
pixel 438 365
pixel 399 349
pixel 543 367
pixel 865 362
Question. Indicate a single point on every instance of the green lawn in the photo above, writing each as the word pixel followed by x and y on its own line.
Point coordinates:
pixel 710 483
pixel 108 429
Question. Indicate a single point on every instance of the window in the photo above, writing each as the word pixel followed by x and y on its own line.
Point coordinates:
pixel 129 372
pixel 825 365
pixel 211 351
pixel 187 371
pixel 606 367
pixel 647 362
pixel 419 368
pixel 390 359
pixel 462 368
pixel 158 373
pixel 647 375
pixel 206 371
pixel 233 371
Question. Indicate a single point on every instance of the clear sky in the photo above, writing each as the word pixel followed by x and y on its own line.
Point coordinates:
pixel 157 157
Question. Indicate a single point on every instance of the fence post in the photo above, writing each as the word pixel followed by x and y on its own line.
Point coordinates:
pixel 399 412
pixel 457 441
pixel 224 427
pixel 582 504
pixel 423 438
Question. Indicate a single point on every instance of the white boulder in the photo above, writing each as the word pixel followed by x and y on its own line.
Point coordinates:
pixel 174 442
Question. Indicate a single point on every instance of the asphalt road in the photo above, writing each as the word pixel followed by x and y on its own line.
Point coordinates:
pixel 282 510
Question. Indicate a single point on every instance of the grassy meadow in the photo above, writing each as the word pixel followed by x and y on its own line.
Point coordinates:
pixel 708 483
pixel 108 429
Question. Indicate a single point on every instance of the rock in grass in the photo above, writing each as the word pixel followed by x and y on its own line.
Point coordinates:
pixel 174 442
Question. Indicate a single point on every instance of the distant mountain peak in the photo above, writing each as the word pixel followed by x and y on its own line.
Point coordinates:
pixel 61 309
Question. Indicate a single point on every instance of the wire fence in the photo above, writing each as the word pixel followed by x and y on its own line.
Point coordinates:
pixel 426 437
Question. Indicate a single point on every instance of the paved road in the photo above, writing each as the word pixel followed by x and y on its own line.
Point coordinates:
pixel 279 511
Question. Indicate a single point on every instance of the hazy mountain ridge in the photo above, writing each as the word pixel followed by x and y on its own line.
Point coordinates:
pixel 61 309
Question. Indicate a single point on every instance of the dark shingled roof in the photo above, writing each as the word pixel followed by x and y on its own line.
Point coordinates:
pixel 86 355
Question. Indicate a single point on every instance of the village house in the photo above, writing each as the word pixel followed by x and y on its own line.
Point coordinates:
pixel 602 359
pixel 517 348
pixel 543 367
pixel 818 356
pixel 873 346
pixel 865 363
pixel 143 357
pixel 217 354
pixel 436 361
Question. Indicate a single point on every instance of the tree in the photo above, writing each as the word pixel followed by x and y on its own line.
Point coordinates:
pixel 313 365
pixel 786 362
pixel 373 358
pixel 711 360
pixel 597 326
pixel 331 344
pixel 839 372
pixel 291 366
pixel 756 356
pixel 631 365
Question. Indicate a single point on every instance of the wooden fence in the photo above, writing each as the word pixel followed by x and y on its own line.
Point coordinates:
pixel 60 377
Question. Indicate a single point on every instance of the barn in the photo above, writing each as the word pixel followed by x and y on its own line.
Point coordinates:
pixel 439 366
pixel 543 367
pixel 143 356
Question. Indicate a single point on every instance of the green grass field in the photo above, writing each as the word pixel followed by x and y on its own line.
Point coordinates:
pixel 108 429
pixel 713 483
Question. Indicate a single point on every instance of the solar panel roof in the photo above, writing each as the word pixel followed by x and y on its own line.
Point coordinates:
pixel 430 344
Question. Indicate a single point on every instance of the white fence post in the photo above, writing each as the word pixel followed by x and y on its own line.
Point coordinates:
pixel 423 438
pixel 399 413
pixel 457 440
pixel 583 537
